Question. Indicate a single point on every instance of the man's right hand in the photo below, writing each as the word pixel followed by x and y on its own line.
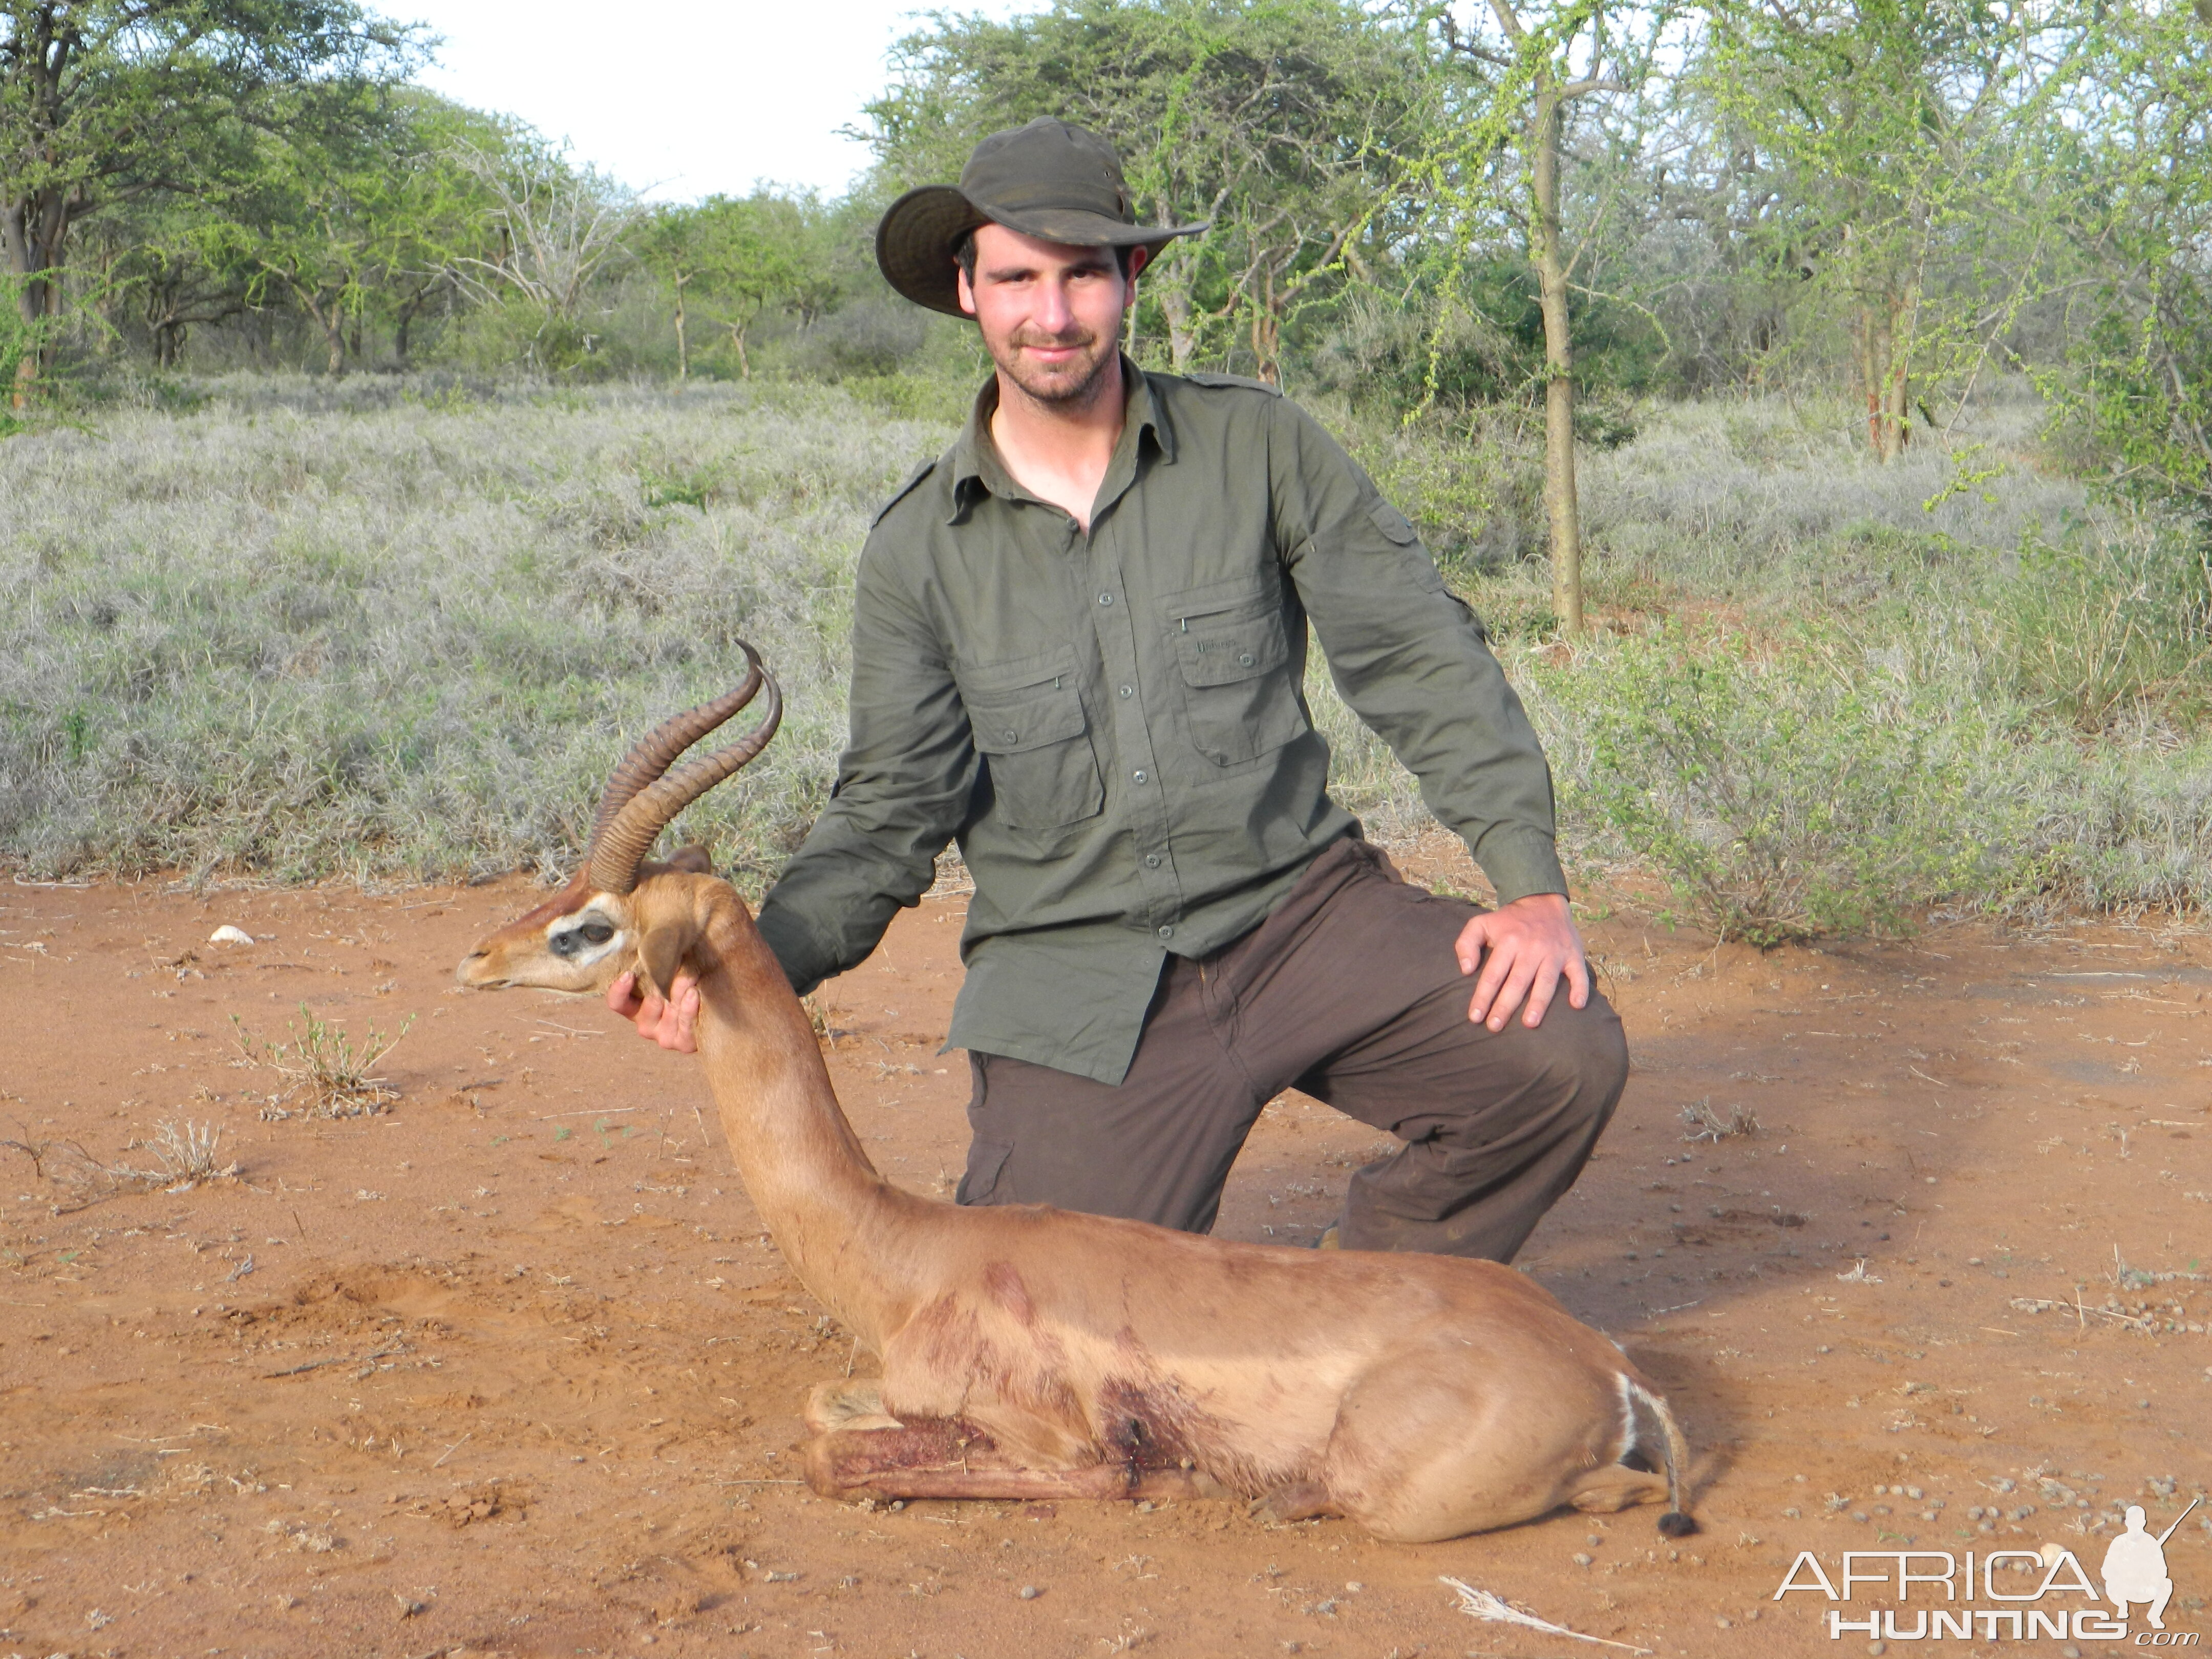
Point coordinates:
pixel 670 1021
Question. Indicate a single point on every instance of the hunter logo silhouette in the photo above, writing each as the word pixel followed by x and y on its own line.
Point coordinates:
pixel 2134 1566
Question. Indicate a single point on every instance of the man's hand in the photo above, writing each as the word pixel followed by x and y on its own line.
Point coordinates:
pixel 1529 944
pixel 668 1022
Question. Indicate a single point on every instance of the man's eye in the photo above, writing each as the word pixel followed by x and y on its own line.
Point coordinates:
pixel 596 932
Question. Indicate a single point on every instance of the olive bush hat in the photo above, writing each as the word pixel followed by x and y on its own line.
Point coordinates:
pixel 1048 180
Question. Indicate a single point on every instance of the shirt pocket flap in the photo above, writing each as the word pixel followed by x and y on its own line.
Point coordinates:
pixel 1016 707
pixel 1228 652
pixel 1227 632
pixel 1393 524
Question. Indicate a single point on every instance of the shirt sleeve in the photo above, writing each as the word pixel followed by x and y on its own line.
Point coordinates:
pixel 1411 659
pixel 902 791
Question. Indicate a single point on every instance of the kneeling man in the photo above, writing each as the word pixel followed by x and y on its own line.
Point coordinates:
pixel 1079 648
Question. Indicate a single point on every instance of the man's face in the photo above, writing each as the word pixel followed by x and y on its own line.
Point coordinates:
pixel 1050 314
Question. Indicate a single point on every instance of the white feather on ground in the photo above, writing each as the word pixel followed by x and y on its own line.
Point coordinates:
pixel 1481 1604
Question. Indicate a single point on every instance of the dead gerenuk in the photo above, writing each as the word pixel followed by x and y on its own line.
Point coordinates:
pixel 1029 1352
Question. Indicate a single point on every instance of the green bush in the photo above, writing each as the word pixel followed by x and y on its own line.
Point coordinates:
pixel 2087 632
pixel 1783 794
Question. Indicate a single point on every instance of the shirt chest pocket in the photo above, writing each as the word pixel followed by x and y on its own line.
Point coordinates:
pixel 1030 729
pixel 1229 642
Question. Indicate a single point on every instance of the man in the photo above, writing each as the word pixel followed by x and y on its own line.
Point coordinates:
pixel 1078 647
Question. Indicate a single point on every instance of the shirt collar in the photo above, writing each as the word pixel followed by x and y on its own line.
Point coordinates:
pixel 977 468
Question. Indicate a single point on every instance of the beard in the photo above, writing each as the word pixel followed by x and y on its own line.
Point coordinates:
pixel 1069 385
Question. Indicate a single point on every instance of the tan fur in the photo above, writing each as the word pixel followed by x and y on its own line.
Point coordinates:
pixel 1031 1352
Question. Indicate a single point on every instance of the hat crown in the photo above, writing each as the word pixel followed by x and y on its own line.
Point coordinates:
pixel 1046 165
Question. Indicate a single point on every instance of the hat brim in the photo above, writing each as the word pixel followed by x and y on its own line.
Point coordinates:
pixel 915 241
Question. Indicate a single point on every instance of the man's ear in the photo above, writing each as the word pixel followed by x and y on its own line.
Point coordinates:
pixel 966 289
pixel 694 859
pixel 1140 257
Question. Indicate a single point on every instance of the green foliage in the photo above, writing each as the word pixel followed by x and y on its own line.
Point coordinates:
pixel 101 100
pixel 2092 632
pixel 1783 791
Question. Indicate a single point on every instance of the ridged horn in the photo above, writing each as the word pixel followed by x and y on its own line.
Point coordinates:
pixel 652 754
pixel 622 846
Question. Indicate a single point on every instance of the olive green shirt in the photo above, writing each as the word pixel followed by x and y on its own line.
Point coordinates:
pixel 1114 725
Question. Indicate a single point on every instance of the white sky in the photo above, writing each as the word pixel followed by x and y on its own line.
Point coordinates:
pixel 676 97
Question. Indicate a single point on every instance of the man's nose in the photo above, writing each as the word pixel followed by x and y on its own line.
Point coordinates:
pixel 1055 314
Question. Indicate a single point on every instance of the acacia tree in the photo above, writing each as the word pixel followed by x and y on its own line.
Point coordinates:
pixel 104 100
pixel 556 228
pixel 340 224
pixel 2133 168
pixel 1897 135
pixel 741 254
pixel 1506 148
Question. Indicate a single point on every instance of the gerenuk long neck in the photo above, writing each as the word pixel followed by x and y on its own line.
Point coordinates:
pixel 854 1240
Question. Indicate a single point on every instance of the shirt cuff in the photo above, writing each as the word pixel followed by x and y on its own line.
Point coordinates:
pixel 1519 862
pixel 806 962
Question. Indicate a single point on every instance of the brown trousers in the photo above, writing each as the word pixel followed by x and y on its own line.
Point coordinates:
pixel 1351 992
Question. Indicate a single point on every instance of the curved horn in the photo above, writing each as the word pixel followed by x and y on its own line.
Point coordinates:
pixel 617 853
pixel 651 755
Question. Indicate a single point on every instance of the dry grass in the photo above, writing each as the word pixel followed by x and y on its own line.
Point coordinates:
pixel 335 1074
pixel 185 1155
pixel 398 629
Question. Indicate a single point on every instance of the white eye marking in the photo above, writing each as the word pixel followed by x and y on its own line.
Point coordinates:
pixel 582 941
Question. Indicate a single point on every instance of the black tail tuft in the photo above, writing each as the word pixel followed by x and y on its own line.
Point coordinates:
pixel 1675 1524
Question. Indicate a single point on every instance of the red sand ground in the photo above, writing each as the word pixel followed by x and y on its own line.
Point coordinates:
pixel 511 1368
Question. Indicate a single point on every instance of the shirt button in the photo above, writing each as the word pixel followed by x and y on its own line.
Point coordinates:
pixel 1151 860
pixel 1138 775
pixel 1128 690
pixel 1105 598
pixel 1167 933
pixel 1245 660
pixel 1221 760
pixel 1010 736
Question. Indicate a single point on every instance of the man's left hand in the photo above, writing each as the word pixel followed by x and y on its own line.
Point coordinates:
pixel 1523 948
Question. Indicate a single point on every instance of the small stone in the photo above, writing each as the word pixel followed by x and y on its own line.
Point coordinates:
pixel 228 934
pixel 1725 1622
pixel 1877 1647
pixel 1915 1493
pixel 1792 1514
pixel 1030 1592
pixel 1581 1559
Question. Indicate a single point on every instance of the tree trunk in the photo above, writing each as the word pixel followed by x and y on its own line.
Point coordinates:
pixel 683 349
pixel 1883 368
pixel 1175 307
pixel 1268 334
pixel 738 339
pixel 1561 506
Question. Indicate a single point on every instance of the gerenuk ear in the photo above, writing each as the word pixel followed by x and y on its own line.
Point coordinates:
pixel 660 953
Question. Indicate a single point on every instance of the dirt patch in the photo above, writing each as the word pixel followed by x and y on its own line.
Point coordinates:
pixel 509 1366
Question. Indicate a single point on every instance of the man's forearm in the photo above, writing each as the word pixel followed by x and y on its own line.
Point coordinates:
pixel 836 897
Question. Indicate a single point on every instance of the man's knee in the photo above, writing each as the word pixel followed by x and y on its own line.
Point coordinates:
pixel 1576 1062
